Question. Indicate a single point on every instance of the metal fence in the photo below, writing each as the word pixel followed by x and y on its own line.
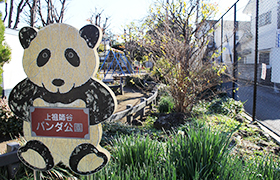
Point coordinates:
pixel 252 53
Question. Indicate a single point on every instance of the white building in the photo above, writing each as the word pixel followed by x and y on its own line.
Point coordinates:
pixel 269 34
pixel 13 71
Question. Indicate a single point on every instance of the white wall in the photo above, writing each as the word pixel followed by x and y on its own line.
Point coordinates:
pixel 13 71
pixel 267 33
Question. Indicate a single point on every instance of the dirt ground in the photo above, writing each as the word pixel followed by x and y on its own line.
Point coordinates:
pixel 131 96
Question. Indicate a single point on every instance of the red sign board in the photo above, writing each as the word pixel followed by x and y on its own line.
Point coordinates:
pixel 60 122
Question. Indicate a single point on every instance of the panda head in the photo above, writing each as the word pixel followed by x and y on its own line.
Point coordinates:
pixel 59 57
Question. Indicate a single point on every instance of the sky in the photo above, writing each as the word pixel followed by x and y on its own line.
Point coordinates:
pixel 120 12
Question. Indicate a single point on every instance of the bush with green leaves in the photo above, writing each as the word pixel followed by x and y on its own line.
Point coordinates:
pixel 5 51
pixel 226 106
pixel 10 125
pixel 223 105
pixel 166 104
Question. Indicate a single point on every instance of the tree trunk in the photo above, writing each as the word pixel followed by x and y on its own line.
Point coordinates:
pixel 33 12
pixel 6 11
pixel 19 10
pixel 10 14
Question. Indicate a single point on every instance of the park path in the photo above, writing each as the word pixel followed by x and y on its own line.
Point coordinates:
pixel 268 104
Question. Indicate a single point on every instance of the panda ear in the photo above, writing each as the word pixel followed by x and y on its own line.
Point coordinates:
pixel 92 35
pixel 26 35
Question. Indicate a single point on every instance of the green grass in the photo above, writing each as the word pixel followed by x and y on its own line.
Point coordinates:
pixel 199 153
pixel 199 149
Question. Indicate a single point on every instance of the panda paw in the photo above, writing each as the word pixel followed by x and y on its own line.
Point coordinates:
pixel 87 159
pixel 36 156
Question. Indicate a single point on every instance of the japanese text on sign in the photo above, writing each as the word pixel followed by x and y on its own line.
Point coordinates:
pixel 60 122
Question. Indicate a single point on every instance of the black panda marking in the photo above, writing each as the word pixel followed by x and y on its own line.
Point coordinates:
pixel 91 34
pixel 81 151
pixel 97 98
pixel 40 148
pixel 72 57
pixel 43 57
pixel 58 82
pixel 26 35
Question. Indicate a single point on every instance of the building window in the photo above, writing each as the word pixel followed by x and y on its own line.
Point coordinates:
pixel 278 16
pixel 264 58
pixel 265 19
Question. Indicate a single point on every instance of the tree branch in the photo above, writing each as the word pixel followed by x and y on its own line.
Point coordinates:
pixel 20 7
pixel 10 14
pixel 6 11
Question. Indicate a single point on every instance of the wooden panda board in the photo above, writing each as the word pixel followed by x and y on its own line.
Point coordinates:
pixel 60 63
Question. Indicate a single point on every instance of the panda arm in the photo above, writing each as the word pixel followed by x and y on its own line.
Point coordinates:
pixel 100 101
pixel 21 98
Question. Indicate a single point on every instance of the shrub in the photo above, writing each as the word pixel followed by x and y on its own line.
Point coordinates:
pixel 140 82
pixel 5 51
pixel 226 106
pixel 9 123
pixel 174 36
pixel 166 104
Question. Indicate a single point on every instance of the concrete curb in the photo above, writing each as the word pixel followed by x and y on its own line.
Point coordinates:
pixel 267 130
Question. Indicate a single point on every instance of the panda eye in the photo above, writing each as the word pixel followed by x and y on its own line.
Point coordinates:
pixel 72 57
pixel 43 57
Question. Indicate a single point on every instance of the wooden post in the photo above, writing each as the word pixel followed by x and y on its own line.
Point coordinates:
pixel 36 175
pixel 142 112
pixel 12 168
pixel 151 104
pixel 121 86
pixel 129 117
pixel 155 100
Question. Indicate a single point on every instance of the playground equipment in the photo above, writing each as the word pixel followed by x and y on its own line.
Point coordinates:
pixel 121 62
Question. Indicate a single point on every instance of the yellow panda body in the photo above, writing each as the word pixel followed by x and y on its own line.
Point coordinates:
pixel 57 38
pixel 61 148
pixel 60 63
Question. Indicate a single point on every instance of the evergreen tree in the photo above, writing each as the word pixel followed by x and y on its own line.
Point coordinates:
pixel 5 52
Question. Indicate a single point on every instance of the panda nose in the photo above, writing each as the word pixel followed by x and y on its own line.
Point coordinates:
pixel 58 82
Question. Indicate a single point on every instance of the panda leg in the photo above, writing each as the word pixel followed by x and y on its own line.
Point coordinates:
pixel 83 150
pixel 41 149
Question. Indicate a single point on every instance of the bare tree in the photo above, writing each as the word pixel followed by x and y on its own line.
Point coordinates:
pixel 20 7
pixel 54 15
pixel 6 10
pixel 10 14
pixel 33 7
pixel 175 36
pixel 96 19
pixel 34 11
pixel 134 49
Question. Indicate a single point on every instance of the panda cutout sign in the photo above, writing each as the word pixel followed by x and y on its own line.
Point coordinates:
pixel 60 102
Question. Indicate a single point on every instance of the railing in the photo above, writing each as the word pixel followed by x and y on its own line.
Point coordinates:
pixel 10 159
pixel 138 109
